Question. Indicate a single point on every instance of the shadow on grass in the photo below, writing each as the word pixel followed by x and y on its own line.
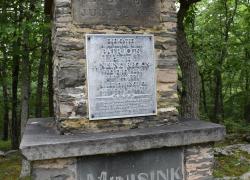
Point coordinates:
pixel 10 165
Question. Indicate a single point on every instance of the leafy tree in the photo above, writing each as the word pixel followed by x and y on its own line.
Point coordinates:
pixel 218 31
pixel 190 99
pixel 25 48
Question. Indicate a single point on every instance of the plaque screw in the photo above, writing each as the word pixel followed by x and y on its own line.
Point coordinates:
pixel 153 111
pixel 92 116
pixel 150 37
pixel 89 38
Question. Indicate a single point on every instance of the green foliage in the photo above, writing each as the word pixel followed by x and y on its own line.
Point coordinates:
pixel 5 145
pixel 234 126
pixel 209 34
pixel 16 17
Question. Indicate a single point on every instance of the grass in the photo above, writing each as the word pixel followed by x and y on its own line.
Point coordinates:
pixel 5 145
pixel 10 166
pixel 233 165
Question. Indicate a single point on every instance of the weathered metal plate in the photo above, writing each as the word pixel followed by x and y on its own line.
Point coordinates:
pixel 121 76
pixel 156 164
pixel 116 12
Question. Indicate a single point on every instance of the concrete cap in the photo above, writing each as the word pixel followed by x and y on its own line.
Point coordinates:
pixel 41 140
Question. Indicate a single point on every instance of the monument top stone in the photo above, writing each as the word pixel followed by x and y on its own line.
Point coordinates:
pixel 114 60
pixel 116 78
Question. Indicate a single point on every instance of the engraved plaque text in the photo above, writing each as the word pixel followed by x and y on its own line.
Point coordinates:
pixel 121 76
pixel 116 12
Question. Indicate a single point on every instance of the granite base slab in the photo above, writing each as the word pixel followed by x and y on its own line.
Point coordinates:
pixel 41 140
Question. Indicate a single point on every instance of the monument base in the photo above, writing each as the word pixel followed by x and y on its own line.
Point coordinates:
pixel 168 152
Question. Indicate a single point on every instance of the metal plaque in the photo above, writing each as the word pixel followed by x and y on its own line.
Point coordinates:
pixel 121 76
pixel 157 164
pixel 116 12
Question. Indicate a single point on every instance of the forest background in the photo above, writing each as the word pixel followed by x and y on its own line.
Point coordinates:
pixel 218 32
pixel 214 73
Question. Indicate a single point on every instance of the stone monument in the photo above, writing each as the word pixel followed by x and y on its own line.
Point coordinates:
pixel 115 98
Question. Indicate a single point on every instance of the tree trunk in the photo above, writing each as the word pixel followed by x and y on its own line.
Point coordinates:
pixel 25 89
pixel 15 75
pixel 203 94
pixel 25 83
pixel 190 95
pixel 3 77
pixel 40 76
pixel 247 89
pixel 26 73
pixel 15 122
pixel 48 4
pixel 50 80
pixel 218 99
pixel 49 13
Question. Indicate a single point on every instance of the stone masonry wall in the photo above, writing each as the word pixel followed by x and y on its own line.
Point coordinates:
pixel 199 162
pixel 70 98
pixel 54 169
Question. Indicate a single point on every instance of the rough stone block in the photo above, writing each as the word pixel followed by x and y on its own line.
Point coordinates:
pixel 168 18
pixel 166 87
pixel 66 109
pixel 62 3
pixel 199 161
pixel 54 169
pixel 167 63
pixel 66 18
pixel 168 6
pixel 170 26
pixel 68 44
pixel 63 10
pixel 71 77
pixel 167 75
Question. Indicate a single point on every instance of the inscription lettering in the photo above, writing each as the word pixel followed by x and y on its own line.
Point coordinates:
pixel 120 12
pixel 154 164
pixel 121 76
pixel 168 174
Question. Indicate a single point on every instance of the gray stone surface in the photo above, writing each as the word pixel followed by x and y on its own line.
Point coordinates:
pixel 117 12
pixel 56 169
pixel 2 154
pixel 164 163
pixel 231 149
pixel 42 141
pixel 26 168
pixel 245 176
